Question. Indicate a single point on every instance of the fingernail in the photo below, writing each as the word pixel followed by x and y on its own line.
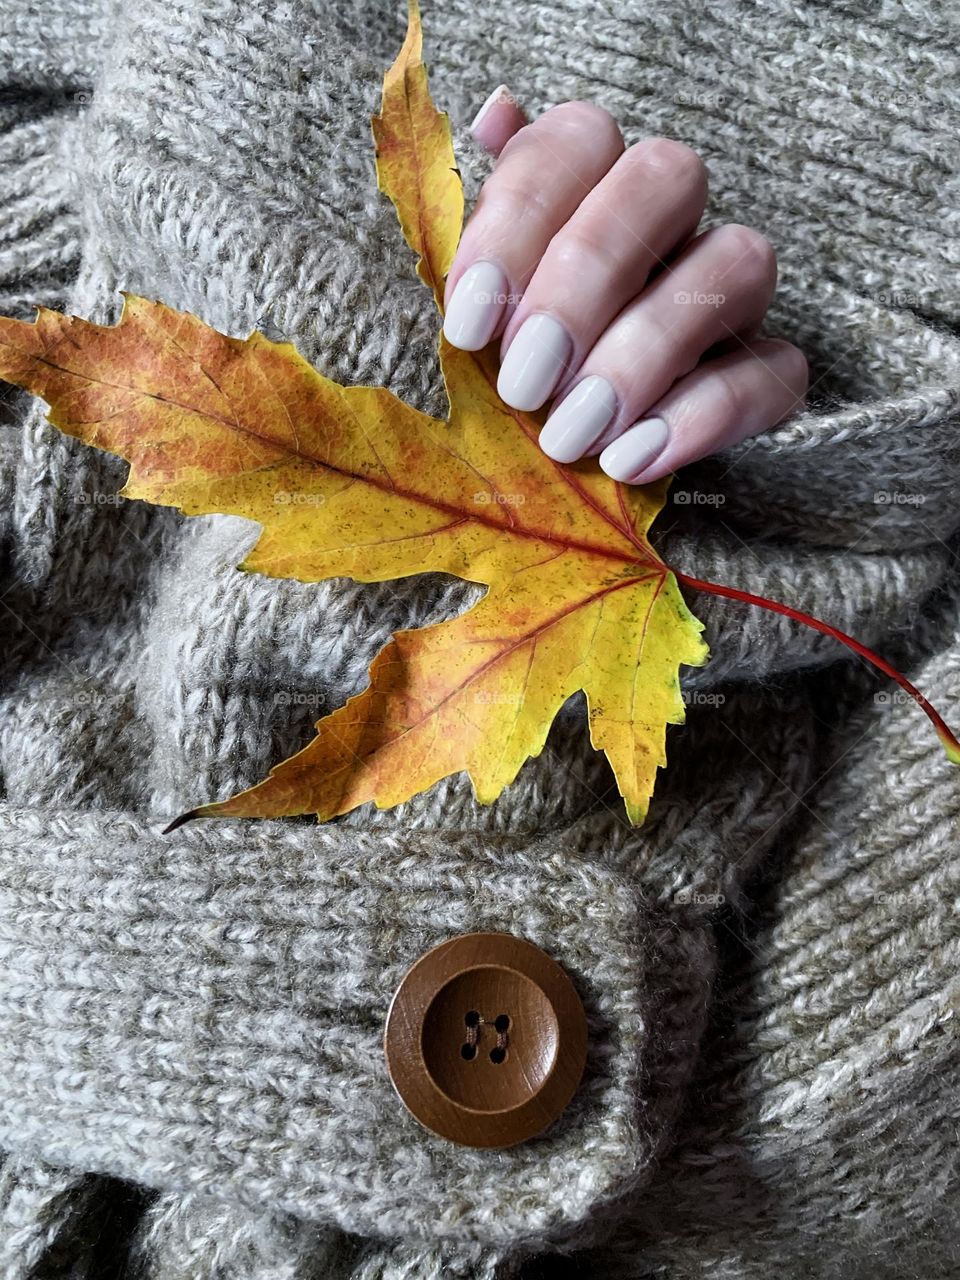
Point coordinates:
pixel 534 361
pixel 494 97
pixel 578 420
pixel 475 307
pixel 630 454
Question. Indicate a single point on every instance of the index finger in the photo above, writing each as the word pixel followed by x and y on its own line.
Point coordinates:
pixel 544 172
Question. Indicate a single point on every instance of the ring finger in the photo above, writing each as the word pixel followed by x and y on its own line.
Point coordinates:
pixel 720 286
pixel 539 180
pixel 648 204
pixel 723 401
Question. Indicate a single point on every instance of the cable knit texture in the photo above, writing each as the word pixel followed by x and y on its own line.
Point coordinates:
pixel 192 1084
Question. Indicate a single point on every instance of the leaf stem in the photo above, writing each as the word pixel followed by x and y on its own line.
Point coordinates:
pixel 948 739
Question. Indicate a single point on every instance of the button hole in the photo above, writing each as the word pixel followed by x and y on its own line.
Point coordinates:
pixel 472 1019
pixel 468 1051
pixel 503 1022
pixel 498 1055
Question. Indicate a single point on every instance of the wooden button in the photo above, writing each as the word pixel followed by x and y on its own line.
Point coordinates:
pixel 486 1040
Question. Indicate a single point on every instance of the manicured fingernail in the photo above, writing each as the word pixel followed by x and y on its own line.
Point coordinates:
pixel 475 308
pixel 494 97
pixel 578 420
pixel 534 361
pixel 630 454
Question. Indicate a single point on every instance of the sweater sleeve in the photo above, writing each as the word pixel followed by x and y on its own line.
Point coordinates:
pixel 207 1013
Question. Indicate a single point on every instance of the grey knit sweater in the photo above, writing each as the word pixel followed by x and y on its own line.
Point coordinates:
pixel 192 1083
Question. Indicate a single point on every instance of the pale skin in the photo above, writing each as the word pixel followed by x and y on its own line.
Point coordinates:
pixel 638 334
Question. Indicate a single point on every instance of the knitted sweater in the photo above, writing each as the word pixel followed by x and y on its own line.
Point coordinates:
pixel 192 1083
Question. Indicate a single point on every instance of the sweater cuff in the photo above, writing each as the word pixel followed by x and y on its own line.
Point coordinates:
pixel 205 1012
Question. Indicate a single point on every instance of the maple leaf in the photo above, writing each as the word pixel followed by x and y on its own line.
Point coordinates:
pixel 577 598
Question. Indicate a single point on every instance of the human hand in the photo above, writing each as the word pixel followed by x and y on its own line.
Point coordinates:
pixel 581 254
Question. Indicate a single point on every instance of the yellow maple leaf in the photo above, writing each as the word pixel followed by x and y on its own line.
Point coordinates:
pixel 577 599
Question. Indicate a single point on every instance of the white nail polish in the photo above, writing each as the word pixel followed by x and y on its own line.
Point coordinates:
pixel 494 97
pixel 578 420
pixel 535 359
pixel 476 306
pixel 634 451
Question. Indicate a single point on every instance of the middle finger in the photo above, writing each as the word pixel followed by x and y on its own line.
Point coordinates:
pixel 601 258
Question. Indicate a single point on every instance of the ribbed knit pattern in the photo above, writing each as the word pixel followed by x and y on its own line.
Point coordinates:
pixel 192 1083
pixel 264 1068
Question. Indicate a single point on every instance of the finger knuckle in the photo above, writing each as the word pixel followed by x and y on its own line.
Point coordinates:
pixel 797 371
pixel 725 398
pixel 580 252
pixel 669 158
pixel 749 248
pixel 518 142
pixel 661 339
pixel 510 203
pixel 586 121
